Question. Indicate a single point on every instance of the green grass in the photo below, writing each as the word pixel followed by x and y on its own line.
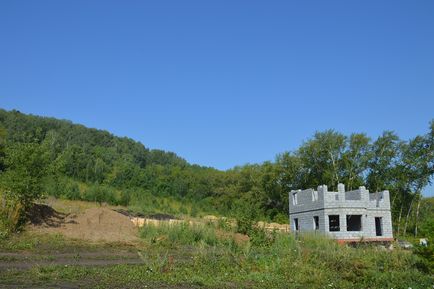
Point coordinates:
pixel 150 204
pixel 27 241
pixel 198 256
pixel 45 243
pixel 179 234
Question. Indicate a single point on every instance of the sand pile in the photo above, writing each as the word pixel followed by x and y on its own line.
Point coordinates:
pixel 95 224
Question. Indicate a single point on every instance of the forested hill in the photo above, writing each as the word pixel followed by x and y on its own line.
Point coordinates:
pixel 93 143
pixel 83 163
pixel 46 156
pixel 95 157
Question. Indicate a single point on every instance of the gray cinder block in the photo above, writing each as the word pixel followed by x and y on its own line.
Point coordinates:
pixel 344 215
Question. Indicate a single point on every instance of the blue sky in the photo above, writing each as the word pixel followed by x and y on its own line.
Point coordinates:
pixel 222 83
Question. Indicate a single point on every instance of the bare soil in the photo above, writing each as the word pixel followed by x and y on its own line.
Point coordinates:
pixel 94 224
pixel 45 216
pixel 97 225
pixel 114 240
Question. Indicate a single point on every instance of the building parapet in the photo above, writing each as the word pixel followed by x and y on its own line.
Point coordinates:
pixel 309 199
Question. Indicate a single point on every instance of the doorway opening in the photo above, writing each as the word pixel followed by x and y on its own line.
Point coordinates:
pixel 378 226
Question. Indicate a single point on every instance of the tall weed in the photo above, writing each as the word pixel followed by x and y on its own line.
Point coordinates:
pixel 11 215
pixel 179 234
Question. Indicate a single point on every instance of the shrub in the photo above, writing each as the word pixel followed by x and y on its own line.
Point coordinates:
pixel 25 168
pixel 183 210
pixel 55 187
pixel 246 215
pixel 261 238
pixel 21 183
pixel 124 198
pixel 281 218
pixel 193 211
pixel 426 254
pixel 72 191
pixel 99 193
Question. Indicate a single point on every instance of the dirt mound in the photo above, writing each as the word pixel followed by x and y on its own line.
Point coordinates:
pixel 46 216
pixel 95 224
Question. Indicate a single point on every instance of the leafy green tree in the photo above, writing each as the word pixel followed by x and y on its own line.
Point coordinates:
pixel 355 160
pixel 73 162
pixel 416 158
pixel 25 168
pixel 2 147
pixel 122 171
pixel 322 158
pixel 99 171
pixel 385 153
pixel 273 197
pixel 291 172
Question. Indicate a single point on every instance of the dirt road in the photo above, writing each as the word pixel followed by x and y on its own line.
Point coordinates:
pixel 102 258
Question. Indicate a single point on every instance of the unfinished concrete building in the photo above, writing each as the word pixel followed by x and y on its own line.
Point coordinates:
pixel 346 216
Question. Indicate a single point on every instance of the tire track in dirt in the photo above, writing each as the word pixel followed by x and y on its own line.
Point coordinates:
pixel 23 261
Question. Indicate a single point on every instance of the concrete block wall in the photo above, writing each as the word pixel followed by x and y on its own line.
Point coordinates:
pixel 343 233
pixel 380 200
pixel 356 202
pixel 306 221
pixel 307 200
pixel 386 223
pixel 357 198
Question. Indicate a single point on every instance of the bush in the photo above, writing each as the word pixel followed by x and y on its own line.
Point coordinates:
pixel 261 238
pixel 426 263
pixel 20 183
pixel 124 198
pixel 55 187
pixel 25 168
pixel 194 211
pixel 72 191
pixel 183 210
pixel 281 218
pixel 99 194
pixel 246 216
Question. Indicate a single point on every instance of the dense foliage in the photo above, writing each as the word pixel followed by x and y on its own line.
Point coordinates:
pixel 47 156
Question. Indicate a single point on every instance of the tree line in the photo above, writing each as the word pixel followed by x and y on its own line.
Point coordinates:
pixel 46 156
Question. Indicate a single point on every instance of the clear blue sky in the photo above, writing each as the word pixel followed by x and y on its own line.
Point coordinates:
pixel 222 83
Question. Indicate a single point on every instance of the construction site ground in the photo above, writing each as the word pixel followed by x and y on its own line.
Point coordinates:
pixel 79 234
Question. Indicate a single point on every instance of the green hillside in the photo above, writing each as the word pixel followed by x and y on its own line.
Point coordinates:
pixel 46 156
